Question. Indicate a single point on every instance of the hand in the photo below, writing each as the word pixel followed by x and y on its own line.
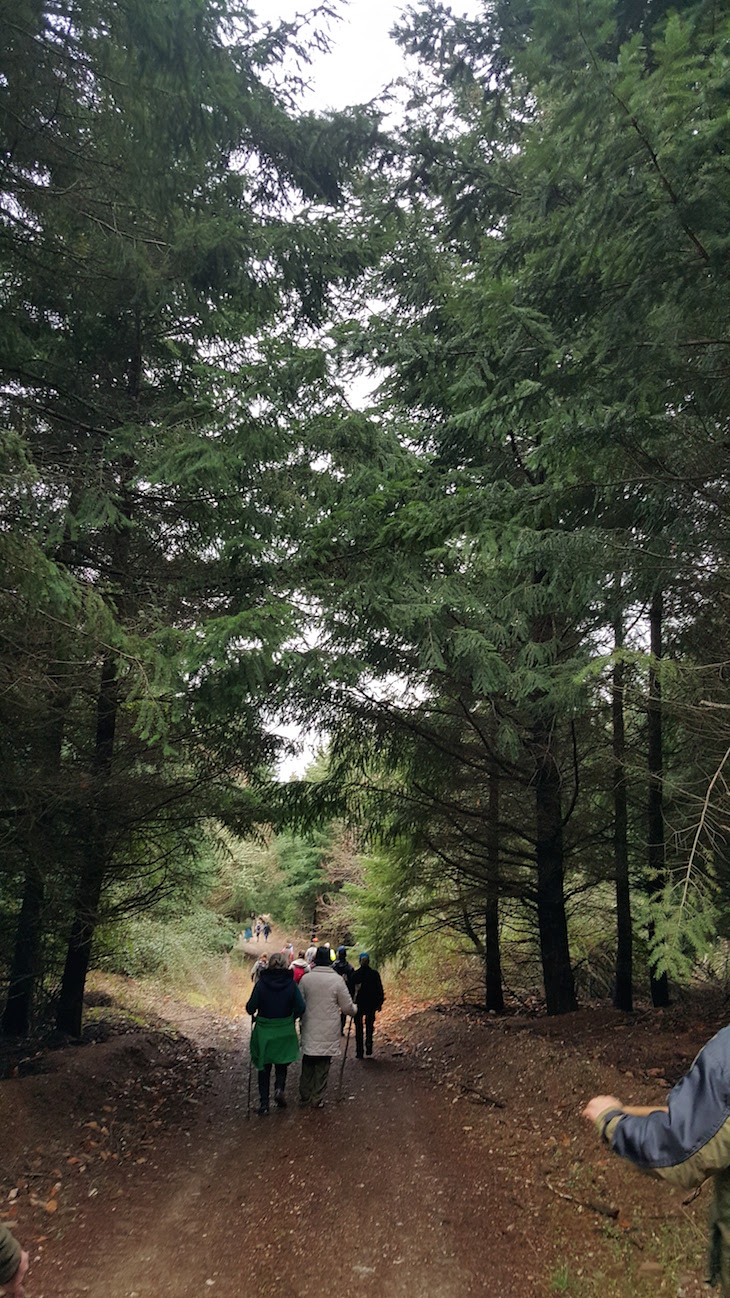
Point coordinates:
pixel 598 1105
pixel 14 1288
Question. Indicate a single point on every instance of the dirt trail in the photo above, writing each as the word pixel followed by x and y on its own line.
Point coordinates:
pixel 456 1163
pixel 377 1195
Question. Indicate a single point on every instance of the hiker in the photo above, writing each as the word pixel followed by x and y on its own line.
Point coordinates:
pixel 259 967
pixel 343 967
pixel 325 996
pixel 684 1142
pixel 267 930
pixel 367 989
pixel 299 967
pixel 288 950
pixel 277 1002
pixel 309 955
pixel 13 1264
pixel 258 929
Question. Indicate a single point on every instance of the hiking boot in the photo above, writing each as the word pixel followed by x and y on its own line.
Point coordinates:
pixel 279 1099
pixel 263 1109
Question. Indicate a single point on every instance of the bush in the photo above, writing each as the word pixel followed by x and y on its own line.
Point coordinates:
pixel 175 950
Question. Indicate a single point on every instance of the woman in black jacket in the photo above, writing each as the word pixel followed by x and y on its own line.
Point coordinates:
pixel 277 1002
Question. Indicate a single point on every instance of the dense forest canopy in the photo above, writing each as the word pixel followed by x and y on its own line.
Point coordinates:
pixel 500 589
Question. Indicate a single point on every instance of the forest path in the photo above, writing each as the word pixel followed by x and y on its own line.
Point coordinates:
pixel 378 1194
pixel 456 1162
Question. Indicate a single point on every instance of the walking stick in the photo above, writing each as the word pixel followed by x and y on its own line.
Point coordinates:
pixel 250 1069
pixel 344 1057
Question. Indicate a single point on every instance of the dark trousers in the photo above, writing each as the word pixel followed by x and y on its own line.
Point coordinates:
pixel 265 1081
pixel 313 1080
pixel 364 1024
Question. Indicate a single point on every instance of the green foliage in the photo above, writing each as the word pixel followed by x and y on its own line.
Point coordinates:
pixel 682 923
pixel 174 951
pixel 301 861
pixel 543 458
pixel 166 259
pixel 198 532
pixel 248 880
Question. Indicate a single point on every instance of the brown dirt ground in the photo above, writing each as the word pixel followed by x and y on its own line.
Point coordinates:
pixel 456 1162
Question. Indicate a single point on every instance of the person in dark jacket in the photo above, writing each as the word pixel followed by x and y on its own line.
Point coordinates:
pixel 684 1142
pixel 343 967
pixel 367 990
pixel 13 1264
pixel 277 1002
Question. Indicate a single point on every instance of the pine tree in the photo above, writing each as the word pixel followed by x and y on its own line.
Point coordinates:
pixel 168 239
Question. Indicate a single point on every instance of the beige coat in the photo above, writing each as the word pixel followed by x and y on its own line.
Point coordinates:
pixel 325 996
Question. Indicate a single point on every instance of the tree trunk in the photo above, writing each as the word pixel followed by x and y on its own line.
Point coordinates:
pixel 71 1000
pixel 492 961
pixel 623 993
pixel 27 962
pixel 552 922
pixel 656 856
pixel 18 1012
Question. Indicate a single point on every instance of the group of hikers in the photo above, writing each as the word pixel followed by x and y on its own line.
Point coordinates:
pixel 684 1142
pixel 323 992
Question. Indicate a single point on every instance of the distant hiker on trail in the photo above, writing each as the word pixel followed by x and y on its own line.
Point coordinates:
pixel 267 930
pixel 299 967
pixel 326 997
pixel 288 950
pixel 13 1264
pixel 259 967
pixel 343 967
pixel 309 955
pixel 277 1002
pixel 685 1142
pixel 258 929
pixel 369 994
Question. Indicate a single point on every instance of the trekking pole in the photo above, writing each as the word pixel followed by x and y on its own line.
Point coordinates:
pixel 250 1069
pixel 344 1057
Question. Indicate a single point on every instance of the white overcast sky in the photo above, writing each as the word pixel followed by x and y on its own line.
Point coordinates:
pixel 363 58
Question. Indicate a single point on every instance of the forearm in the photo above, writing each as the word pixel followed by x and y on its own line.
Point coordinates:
pixel 606 1111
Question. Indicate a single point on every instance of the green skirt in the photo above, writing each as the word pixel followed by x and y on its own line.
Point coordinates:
pixel 274 1041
